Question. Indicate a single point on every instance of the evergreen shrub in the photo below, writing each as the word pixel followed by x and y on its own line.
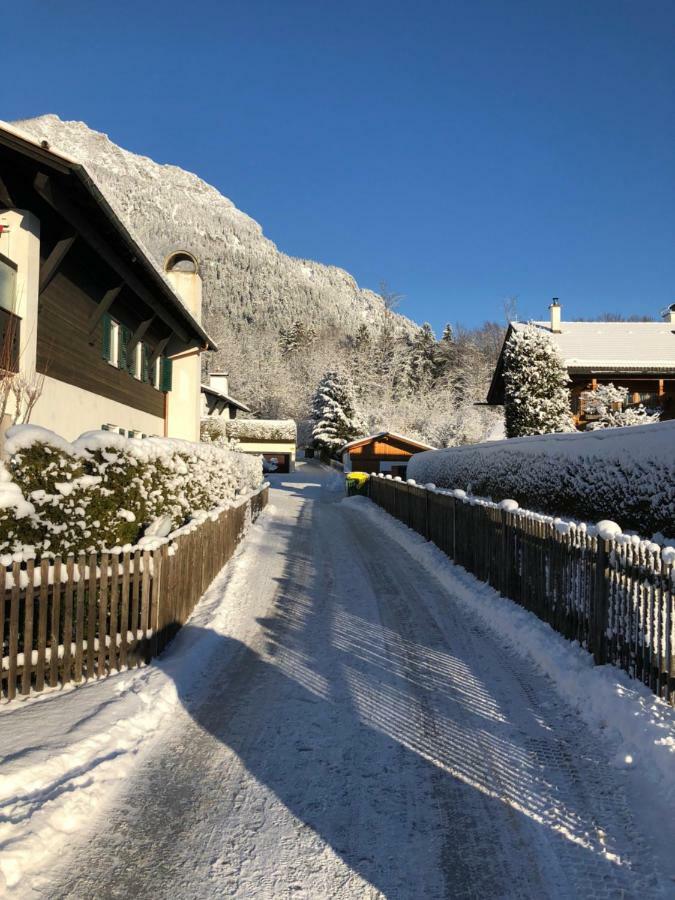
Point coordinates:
pixel 103 490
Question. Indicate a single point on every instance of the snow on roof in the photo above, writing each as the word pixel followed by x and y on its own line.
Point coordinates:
pixel 207 389
pixel 618 345
pixel 380 434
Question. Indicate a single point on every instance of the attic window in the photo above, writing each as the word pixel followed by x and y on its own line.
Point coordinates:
pixel 181 261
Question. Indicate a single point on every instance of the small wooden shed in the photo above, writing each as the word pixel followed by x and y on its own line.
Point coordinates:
pixel 382 452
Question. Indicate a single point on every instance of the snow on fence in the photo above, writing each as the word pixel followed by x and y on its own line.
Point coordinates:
pixel 82 617
pixel 613 593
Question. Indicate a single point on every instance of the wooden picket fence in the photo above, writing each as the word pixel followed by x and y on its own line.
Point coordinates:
pixel 85 616
pixel 616 598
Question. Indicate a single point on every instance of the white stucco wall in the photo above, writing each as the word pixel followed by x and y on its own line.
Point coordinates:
pixel 183 408
pixel 69 411
pixel 184 400
pixel 188 285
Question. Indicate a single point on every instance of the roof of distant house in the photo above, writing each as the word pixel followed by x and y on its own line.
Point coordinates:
pixel 226 397
pixel 615 345
pixel 602 348
pixel 381 434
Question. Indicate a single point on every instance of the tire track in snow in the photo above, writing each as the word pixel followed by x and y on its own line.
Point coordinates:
pixel 368 740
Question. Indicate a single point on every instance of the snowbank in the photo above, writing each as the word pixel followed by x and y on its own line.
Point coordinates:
pixel 64 752
pixel 622 474
pixel 100 491
pixel 640 724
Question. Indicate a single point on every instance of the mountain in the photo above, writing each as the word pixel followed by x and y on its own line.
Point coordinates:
pixel 248 282
pixel 281 322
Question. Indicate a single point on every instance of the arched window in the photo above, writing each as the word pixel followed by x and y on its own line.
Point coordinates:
pixel 181 261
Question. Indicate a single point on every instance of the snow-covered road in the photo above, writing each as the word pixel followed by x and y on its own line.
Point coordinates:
pixel 362 736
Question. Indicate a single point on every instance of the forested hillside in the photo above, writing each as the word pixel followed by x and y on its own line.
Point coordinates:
pixel 281 322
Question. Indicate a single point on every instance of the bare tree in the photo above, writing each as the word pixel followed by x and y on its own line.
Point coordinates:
pixel 19 390
pixel 392 299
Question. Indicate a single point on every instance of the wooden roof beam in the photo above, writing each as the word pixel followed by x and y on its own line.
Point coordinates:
pixel 56 198
pixel 102 308
pixel 50 266
pixel 138 335
pixel 5 196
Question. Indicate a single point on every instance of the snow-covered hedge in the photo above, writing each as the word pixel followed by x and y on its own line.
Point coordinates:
pixel 623 474
pixel 261 430
pixel 104 489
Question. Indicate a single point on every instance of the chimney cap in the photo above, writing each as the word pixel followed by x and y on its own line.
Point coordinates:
pixel 555 301
pixel 220 372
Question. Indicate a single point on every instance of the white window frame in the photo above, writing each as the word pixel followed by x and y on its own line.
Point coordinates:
pixel 138 361
pixel 114 359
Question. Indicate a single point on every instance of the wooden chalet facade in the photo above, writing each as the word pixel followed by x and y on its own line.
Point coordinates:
pixel 384 452
pixel 88 312
pixel 639 356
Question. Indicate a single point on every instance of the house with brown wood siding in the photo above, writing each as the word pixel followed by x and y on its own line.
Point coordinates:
pixel 112 340
pixel 384 452
pixel 639 356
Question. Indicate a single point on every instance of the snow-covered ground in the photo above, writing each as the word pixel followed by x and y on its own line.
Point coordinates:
pixel 346 715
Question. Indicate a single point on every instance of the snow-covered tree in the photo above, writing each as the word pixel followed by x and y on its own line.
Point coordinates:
pixel 536 396
pixel 423 359
pixel 296 337
pixel 336 418
pixel 609 403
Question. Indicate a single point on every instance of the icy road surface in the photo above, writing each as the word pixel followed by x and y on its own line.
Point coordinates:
pixel 362 737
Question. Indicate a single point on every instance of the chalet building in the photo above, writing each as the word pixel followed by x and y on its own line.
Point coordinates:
pixel 216 400
pixel 109 339
pixel 382 452
pixel 639 356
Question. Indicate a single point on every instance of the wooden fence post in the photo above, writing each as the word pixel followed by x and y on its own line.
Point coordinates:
pixel 600 598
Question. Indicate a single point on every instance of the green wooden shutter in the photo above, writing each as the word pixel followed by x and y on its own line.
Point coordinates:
pixel 106 346
pixel 123 360
pixel 165 374
pixel 145 363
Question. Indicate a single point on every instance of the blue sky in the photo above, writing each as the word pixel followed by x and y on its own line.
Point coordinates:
pixel 462 151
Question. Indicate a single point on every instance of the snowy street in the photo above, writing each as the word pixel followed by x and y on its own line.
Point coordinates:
pixel 360 735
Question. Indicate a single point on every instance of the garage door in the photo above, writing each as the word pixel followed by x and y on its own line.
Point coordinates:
pixel 276 463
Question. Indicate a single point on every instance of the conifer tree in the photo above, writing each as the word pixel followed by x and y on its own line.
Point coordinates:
pixel 536 396
pixel 423 359
pixel 336 420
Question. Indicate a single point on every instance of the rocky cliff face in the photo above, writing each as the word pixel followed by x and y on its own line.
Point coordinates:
pixel 248 283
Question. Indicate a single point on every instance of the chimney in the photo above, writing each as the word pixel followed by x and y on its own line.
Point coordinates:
pixel 219 382
pixel 669 314
pixel 555 310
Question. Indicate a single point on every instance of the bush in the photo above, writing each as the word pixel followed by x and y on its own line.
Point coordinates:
pixel 623 474
pixel 103 490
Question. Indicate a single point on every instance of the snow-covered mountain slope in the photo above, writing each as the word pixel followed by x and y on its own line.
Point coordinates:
pixel 247 280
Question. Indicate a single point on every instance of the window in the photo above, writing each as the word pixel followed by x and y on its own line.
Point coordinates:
pixel 137 370
pixel 164 373
pixel 137 361
pixel 111 340
pixel 7 283
pixel 10 332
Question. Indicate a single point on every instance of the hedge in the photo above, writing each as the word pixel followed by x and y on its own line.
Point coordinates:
pixel 623 474
pixel 103 490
